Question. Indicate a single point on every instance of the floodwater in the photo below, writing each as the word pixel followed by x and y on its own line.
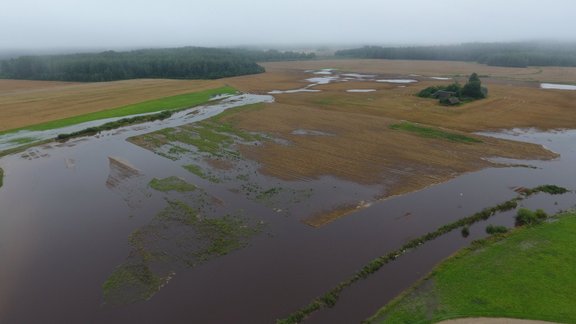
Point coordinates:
pixel 67 211
pixel 401 81
pixel 557 86
pixel 360 90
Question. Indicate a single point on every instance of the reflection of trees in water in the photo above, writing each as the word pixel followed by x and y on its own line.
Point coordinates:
pixel 123 179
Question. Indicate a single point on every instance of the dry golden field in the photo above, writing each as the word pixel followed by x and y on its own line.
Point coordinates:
pixel 24 103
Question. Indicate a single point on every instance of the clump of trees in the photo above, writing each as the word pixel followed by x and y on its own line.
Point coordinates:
pixel 520 54
pixel 173 63
pixel 472 90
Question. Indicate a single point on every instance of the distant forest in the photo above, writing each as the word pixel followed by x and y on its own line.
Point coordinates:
pixel 174 63
pixel 495 54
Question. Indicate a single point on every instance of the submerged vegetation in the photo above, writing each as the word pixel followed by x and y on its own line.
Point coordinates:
pixel 527 273
pixel 197 170
pixel 115 124
pixel 331 297
pixel 433 133
pixel 171 184
pixel 210 138
pixel 176 236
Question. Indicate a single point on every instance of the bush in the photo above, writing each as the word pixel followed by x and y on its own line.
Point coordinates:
pixel 465 231
pixel 495 229
pixel 428 92
pixel 528 217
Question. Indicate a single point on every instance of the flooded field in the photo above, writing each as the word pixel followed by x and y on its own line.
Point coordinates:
pixel 87 201
pixel 175 221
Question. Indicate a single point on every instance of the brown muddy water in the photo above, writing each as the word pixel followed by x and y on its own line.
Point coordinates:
pixel 67 211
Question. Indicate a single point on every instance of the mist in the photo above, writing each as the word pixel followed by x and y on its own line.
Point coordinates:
pixel 46 25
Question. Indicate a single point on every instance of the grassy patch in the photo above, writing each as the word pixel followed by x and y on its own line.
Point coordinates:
pixel 177 236
pixel 171 184
pixel 168 103
pixel 1 177
pixel 433 133
pixel 525 274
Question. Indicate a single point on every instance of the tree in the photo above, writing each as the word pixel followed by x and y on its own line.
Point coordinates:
pixel 473 88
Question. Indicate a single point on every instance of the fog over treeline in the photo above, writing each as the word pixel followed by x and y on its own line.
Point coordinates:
pixel 55 26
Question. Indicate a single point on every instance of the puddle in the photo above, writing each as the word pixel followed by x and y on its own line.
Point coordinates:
pixel 557 86
pixel 323 72
pixel 332 76
pixel 308 132
pixel 293 91
pixel 398 81
pixel 358 76
pixel 323 80
pixel 360 90
pixel 440 78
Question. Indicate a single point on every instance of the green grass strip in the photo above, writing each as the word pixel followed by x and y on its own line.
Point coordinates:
pixel 528 274
pixel 156 105
pixel 433 133
pixel 1 177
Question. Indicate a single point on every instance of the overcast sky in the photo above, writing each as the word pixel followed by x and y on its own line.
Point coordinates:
pixel 141 23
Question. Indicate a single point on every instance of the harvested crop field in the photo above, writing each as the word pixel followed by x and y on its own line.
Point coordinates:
pixel 25 103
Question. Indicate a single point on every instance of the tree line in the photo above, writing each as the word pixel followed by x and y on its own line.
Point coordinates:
pixel 172 63
pixel 495 54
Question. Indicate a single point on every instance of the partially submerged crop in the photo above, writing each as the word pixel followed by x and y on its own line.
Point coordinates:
pixel 177 236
